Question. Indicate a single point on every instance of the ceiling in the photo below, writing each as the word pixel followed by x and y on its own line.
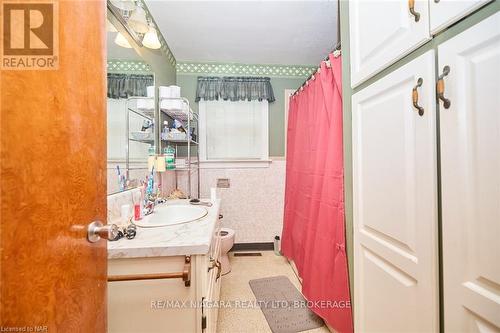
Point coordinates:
pixel 252 32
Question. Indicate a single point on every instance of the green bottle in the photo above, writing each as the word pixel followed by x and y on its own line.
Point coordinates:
pixel 169 153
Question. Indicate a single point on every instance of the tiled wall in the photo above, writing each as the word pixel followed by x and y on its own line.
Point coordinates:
pixel 253 205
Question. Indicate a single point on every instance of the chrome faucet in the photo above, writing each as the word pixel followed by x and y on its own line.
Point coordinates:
pixel 150 201
pixel 149 204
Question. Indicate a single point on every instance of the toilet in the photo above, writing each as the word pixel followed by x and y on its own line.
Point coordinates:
pixel 227 242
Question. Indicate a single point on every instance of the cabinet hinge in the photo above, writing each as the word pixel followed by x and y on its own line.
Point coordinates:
pixel 203 322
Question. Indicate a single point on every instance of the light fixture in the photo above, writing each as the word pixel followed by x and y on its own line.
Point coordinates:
pixel 122 41
pixel 151 39
pixel 124 4
pixel 138 21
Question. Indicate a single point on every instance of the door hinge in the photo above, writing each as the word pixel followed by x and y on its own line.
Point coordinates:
pixel 203 316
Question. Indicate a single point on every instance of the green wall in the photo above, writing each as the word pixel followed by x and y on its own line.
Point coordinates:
pixel 163 69
pixel 187 82
pixel 443 36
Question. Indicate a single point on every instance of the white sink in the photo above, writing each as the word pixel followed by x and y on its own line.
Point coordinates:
pixel 165 215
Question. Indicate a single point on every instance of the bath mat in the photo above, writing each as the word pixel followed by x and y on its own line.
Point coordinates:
pixel 283 305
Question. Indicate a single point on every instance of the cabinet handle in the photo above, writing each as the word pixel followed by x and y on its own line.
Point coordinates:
pixel 414 97
pixel 440 87
pixel 411 6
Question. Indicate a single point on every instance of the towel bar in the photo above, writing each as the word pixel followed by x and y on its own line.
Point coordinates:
pixel 185 275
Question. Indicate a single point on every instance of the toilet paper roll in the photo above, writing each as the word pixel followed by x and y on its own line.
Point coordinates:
pixel 165 92
pixel 150 91
pixel 151 162
pixel 175 91
pixel 160 164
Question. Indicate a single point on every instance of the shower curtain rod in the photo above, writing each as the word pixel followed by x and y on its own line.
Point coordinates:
pixel 336 48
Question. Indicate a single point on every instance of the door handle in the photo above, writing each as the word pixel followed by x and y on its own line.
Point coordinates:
pixel 440 87
pixel 96 230
pixel 414 97
pixel 411 7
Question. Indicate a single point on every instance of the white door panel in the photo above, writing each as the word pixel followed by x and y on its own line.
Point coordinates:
pixel 381 32
pixel 443 13
pixel 470 159
pixel 395 219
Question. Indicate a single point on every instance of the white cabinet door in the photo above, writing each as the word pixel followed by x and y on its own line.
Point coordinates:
pixel 445 12
pixel 381 32
pixel 470 164
pixel 395 200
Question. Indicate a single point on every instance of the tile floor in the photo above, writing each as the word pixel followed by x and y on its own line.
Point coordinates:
pixel 235 287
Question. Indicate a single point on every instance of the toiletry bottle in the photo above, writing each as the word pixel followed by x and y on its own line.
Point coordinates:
pixel 123 183
pixel 125 214
pixel 137 206
pixel 170 157
pixel 119 178
pixel 141 201
pixel 164 133
pixel 151 158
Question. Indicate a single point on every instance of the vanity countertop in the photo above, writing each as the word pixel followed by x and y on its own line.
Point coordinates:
pixel 182 239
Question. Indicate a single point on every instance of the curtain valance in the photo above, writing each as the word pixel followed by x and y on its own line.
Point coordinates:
pixel 126 85
pixel 234 88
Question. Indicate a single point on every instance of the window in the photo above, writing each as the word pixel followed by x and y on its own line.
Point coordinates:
pixel 234 131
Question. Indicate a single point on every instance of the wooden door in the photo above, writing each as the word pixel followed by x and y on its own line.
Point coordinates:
pixel 381 32
pixel 53 180
pixel 444 13
pixel 470 175
pixel 395 203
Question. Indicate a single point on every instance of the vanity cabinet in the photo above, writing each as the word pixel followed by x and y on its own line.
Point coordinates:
pixel 382 32
pixel 159 304
pixel 470 164
pixel 395 202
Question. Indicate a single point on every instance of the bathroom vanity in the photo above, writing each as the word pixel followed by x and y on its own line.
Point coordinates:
pixel 166 279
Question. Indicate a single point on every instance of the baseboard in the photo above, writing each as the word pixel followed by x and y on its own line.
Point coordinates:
pixel 253 247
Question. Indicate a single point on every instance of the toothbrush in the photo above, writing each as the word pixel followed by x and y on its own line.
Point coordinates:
pixel 149 190
pixel 119 178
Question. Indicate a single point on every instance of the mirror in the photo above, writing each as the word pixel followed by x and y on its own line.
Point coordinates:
pixel 131 109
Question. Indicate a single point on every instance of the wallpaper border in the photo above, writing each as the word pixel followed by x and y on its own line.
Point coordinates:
pixel 120 65
pixel 244 69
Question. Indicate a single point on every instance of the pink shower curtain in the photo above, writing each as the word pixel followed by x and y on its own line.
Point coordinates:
pixel 313 232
